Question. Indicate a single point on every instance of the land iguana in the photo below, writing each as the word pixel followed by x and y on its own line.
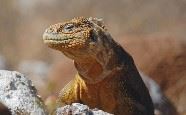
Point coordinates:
pixel 107 77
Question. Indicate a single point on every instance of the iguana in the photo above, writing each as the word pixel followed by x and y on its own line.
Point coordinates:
pixel 107 77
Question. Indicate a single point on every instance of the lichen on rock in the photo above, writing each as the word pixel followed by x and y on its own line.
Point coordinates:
pixel 79 109
pixel 19 94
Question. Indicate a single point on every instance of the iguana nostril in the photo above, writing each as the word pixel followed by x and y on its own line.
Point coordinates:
pixel 59 30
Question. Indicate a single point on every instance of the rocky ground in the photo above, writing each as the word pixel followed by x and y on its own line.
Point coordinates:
pixel 19 94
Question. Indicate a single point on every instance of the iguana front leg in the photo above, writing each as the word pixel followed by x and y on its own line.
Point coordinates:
pixel 69 94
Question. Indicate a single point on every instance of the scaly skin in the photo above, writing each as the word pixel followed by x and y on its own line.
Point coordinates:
pixel 107 77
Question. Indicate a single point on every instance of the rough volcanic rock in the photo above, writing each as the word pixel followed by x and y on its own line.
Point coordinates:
pixel 79 109
pixel 19 95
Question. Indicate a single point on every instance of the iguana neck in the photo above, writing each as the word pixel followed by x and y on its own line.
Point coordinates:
pixel 89 70
pixel 92 72
pixel 107 62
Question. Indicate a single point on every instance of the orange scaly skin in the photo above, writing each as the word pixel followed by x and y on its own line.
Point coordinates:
pixel 107 77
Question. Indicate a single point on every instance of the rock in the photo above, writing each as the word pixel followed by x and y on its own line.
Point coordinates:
pixel 19 94
pixel 79 109
pixel 162 104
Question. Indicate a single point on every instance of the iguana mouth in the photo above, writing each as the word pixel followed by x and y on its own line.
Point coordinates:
pixel 62 41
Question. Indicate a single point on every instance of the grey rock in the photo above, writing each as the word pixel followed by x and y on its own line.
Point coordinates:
pixel 19 94
pixel 79 109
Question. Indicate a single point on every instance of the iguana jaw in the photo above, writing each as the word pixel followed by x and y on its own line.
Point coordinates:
pixel 62 42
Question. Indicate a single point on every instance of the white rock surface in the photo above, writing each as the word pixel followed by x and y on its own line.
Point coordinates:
pixel 79 109
pixel 19 94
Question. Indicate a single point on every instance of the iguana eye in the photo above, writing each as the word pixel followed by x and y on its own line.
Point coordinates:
pixel 69 27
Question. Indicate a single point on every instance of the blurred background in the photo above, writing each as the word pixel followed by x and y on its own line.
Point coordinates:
pixel 152 31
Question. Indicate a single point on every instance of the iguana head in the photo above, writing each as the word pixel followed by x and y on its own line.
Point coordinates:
pixel 79 37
